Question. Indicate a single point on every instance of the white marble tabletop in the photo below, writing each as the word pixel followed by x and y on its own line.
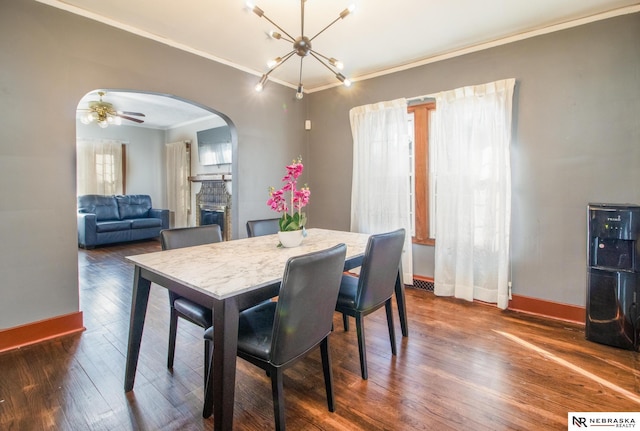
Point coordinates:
pixel 228 268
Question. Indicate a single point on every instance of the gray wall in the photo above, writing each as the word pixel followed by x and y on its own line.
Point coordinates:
pixel 576 140
pixel 50 59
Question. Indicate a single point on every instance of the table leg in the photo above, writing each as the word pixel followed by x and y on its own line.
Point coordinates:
pixel 402 305
pixel 139 300
pixel 222 374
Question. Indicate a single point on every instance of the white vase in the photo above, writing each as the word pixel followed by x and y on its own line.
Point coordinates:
pixel 291 238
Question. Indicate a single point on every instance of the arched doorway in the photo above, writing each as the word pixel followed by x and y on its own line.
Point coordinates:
pixel 147 123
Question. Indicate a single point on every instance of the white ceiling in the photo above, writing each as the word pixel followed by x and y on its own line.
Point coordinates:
pixel 161 112
pixel 381 36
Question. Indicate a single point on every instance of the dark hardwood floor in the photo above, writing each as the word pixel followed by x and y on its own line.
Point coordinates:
pixel 464 366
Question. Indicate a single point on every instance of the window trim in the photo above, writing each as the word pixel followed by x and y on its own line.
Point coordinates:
pixel 421 171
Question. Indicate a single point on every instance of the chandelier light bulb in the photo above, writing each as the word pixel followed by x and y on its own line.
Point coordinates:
pixel 263 81
pixel 345 81
pixel 275 35
pixel 84 119
pixel 103 124
pixel 117 121
pixel 336 63
pixel 299 93
pixel 274 62
pixel 347 11
pixel 255 9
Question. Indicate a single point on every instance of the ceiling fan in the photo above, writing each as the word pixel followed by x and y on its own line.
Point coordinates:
pixel 105 114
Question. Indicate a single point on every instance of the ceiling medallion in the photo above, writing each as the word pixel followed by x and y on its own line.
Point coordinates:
pixel 301 47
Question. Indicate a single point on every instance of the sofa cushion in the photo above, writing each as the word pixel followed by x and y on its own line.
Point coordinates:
pixel 104 207
pixel 112 226
pixel 133 206
pixel 141 223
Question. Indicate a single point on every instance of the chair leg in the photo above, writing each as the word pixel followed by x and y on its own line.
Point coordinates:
pixel 345 322
pixel 278 397
pixel 361 345
pixel 392 332
pixel 173 328
pixel 328 374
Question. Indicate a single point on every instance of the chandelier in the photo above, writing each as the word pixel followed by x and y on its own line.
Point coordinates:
pixel 301 47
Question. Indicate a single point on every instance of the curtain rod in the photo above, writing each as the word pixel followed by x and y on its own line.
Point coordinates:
pixel 419 98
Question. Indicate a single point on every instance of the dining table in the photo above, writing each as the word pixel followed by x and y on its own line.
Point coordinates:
pixel 223 276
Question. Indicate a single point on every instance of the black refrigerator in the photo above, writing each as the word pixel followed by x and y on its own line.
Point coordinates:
pixel 613 267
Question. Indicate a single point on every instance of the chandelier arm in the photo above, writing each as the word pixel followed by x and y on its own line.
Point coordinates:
pixel 287 40
pixel 315 55
pixel 321 31
pixel 300 78
pixel 284 59
pixel 332 61
pixel 302 18
pixel 277 26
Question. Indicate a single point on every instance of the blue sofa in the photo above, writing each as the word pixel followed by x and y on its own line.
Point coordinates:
pixel 120 218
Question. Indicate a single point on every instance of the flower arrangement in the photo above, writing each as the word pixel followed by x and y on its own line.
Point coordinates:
pixel 289 200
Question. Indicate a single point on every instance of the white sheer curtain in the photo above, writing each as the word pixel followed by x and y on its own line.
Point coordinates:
pixel 380 197
pixel 473 200
pixel 178 193
pixel 99 167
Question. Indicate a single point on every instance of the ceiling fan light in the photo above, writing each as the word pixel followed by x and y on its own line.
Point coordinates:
pixel 103 124
pixel 84 118
pixel 117 121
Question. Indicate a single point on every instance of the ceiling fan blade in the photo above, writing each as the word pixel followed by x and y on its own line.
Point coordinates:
pixel 139 114
pixel 126 117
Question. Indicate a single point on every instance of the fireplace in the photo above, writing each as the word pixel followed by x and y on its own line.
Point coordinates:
pixel 213 203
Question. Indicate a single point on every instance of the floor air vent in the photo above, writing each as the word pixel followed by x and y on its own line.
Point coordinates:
pixel 421 283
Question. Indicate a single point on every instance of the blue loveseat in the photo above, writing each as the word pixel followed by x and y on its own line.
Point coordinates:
pixel 120 218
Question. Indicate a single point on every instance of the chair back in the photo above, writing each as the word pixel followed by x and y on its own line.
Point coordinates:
pixel 263 227
pixel 379 269
pixel 306 302
pixel 190 236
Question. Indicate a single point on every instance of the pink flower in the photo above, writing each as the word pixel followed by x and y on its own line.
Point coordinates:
pixel 301 198
pixel 289 194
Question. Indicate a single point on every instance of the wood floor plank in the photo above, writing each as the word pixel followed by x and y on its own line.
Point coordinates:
pixel 464 366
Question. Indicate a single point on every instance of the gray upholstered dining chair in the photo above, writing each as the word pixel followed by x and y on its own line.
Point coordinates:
pixel 262 227
pixel 373 288
pixel 182 307
pixel 275 335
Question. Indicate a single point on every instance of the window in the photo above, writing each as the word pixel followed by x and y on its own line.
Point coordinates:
pixel 100 167
pixel 423 230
